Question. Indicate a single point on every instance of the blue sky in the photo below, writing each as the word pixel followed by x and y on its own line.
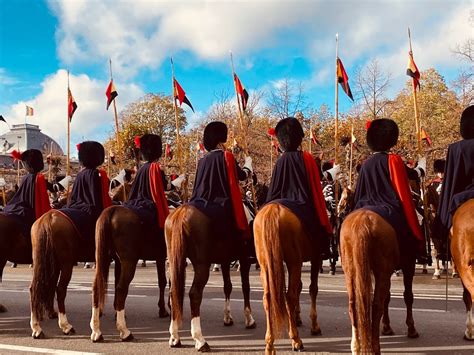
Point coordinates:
pixel 271 41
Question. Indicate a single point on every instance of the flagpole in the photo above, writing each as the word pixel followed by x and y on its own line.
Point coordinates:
pixel 350 162
pixel 68 160
pixel 336 121
pixel 415 103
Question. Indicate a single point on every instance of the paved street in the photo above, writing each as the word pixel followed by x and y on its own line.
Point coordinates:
pixel 440 332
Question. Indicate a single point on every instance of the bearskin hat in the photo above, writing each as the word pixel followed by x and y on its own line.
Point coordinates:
pixel 214 133
pixel 289 134
pixel 438 165
pixel 151 147
pixel 91 154
pixel 382 134
pixel 32 160
pixel 467 123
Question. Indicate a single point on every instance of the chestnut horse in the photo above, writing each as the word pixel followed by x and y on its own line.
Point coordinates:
pixel 120 236
pixel 189 234
pixel 462 249
pixel 280 238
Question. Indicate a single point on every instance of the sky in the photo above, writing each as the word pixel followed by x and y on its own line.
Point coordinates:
pixel 270 41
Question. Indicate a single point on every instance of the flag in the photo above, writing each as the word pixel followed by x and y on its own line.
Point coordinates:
pixel 412 70
pixel 353 138
pixel 2 119
pixel 29 111
pixel 313 138
pixel 111 93
pixel 243 94
pixel 180 95
pixel 71 105
pixel 200 147
pixel 168 154
pixel 425 137
pixel 343 79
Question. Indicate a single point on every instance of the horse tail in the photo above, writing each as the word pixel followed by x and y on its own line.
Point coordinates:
pixel 176 248
pixel 103 233
pixel 45 266
pixel 267 240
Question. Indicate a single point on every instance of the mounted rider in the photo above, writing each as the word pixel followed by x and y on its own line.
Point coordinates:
pixel 383 187
pixel 296 183
pixel 216 188
pixel 31 200
pixel 458 184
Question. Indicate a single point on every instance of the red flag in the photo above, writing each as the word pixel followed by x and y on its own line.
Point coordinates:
pixel 425 137
pixel 343 79
pixel 71 105
pixel 412 70
pixel 180 95
pixel 200 148
pixel 111 93
pixel 244 95
pixel 168 154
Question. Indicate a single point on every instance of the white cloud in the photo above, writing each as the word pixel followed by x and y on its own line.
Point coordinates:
pixel 90 121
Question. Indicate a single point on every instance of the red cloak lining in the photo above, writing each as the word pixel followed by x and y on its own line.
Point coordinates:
pixel 41 196
pixel 158 193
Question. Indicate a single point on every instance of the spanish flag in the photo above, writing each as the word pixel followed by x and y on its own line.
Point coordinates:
pixel 71 105
pixel 244 95
pixel 412 70
pixel 180 95
pixel 111 93
pixel 343 79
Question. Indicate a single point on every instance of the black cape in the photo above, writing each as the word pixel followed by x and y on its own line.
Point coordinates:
pixel 211 194
pixel 85 202
pixel 289 187
pixel 458 184
pixel 374 191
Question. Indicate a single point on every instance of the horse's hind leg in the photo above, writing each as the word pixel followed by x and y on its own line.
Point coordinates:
pixel 408 273
pixel 292 300
pixel 381 292
pixel 386 328
pixel 225 267
pixel 161 270
pixel 201 275
pixel 52 314
pixel 61 290
pixel 313 291
pixel 244 277
pixel 127 272
pixel 3 262
pixel 469 333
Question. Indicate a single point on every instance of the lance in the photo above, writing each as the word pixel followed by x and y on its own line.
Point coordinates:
pixel 245 134
pixel 336 122
pixel 68 158
pixel 352 146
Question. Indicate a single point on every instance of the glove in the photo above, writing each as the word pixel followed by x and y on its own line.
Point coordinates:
pixel 63 184
pixel 3 183
pixel 248 164
pixel 120 177
pixel 336 169
pixel 178 181
pixel 421 167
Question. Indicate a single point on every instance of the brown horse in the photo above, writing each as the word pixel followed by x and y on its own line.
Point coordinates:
pixel 280 238
pixel 120 236
pixel 462 249
pixel 368 246
pixel 188 234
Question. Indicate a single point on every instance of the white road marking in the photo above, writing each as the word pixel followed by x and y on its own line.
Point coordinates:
pixel 44 350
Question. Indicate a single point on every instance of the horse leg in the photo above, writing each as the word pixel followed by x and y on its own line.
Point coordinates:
pixel 455 273
pixel 161 271
pixel 381 292
pixel 437 272
pixel 269 336
pixel 292 300
pixel 408 273
pixel 298 320
pixel 127 272
pixel 201 276
pixel 386 328
pixel 313 291
pixel 61 290
pixel 225 267
pixel 469 333
pixel 3 262
pixel 244 277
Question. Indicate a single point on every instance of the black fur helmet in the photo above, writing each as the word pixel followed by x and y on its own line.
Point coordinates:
pixel 467 123
pixel 91 154
pixel 382 134
pixel 438 165
pixel 214 133
pixel 151 147
pixel 32 160
pixel 289 133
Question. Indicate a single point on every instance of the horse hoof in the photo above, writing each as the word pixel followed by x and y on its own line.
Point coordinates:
pixel 298 348
pixel 53 315
pixel 387 331
pixel 205 348
pixel 413 334
pixel 177 345
pixel 424 271
pixel 316 332
pixel 130 337
pixel 251 326
pixel 3 309
pixel 163 313
pixel 100 339
pixel 436 277
pixel 228 324
pixel 38 336
pixel 455 275
pixel 332 272
pixel 71 331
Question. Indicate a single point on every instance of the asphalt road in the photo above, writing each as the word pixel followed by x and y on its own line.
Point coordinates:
pixel 441 332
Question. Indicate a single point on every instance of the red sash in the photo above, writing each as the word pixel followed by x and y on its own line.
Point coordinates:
pixel 235 195
pixel 41 196
pixel 399 178
pixel 105 183
pixel 158 193
pixel 314 182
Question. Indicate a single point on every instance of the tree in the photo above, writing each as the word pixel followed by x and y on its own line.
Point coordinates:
pixel 286 99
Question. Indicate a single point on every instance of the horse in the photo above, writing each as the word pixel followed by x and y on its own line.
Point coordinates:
pixel 189 234
pixel 364 232
pixel 280 238
pixel 462 249
pixel 120 236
